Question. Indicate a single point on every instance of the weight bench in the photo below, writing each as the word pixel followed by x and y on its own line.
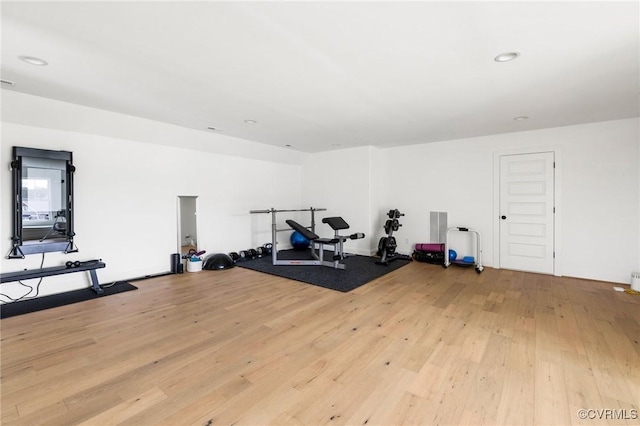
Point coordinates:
pixel 337 224
pixel 317 243
pixel 69 268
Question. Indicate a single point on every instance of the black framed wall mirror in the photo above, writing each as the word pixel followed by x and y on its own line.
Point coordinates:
pixel 42 202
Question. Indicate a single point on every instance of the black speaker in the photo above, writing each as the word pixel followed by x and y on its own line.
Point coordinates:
pixel 176 264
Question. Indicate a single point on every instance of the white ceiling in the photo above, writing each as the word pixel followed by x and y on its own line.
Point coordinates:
pixel 321 76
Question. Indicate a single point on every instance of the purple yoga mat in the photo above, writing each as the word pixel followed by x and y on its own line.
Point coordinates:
pixel 430 247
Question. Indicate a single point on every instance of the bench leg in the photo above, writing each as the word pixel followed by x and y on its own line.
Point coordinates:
pixel 95 285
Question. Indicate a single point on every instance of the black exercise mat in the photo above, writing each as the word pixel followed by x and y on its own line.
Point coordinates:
pixel 359 270
pixel 52 301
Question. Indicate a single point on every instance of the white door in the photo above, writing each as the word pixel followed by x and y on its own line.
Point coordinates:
pixel 527 212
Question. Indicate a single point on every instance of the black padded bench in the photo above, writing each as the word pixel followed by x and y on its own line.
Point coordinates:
pixel 337 224
pixel 28 274
pixel 337 242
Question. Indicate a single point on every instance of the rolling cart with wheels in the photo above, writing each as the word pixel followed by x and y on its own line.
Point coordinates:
pixel 477 260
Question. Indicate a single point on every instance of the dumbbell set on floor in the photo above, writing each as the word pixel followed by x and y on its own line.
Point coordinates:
pixel 257 252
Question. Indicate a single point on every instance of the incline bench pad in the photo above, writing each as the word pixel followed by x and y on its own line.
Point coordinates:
pixel 301 229
pixel 336 223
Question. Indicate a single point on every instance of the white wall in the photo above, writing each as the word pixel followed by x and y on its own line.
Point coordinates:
pixel 599 186
pixel 340 181
pixel 600 200
pixel 599 189
pixel 126 194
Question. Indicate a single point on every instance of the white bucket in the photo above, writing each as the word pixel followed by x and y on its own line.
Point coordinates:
pixel 635 281
pixel 194 266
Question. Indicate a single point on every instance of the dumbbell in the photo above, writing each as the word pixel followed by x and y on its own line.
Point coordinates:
pixel 76 263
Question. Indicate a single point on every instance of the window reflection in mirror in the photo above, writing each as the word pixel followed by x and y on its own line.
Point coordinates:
pixel 42 201
pixel 187 224
pixel 44 193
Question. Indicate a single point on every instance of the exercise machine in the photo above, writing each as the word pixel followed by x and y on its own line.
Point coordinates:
pixel 477 261
pixel 387 245
pixel 337 242
pixel 67 268
pixel 318 244
pixel 275 230
pixel 59 226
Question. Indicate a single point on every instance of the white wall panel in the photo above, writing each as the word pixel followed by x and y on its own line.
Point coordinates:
pixel 126 202
pixel 599 182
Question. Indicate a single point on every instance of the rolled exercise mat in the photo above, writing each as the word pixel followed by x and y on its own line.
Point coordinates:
pixel 430 247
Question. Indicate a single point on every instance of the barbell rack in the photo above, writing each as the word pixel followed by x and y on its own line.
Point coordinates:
pixel 275 230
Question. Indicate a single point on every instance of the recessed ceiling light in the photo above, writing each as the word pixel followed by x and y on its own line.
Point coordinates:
pixel 250 121
pixel 33 60
pixel 215 129
pixel 521 118
pixel 506 57
pixel 288 146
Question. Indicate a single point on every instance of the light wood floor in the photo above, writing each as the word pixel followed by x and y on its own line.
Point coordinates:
pixel 422 345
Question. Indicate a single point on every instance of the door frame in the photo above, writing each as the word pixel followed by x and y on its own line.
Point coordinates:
pixel 557 187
